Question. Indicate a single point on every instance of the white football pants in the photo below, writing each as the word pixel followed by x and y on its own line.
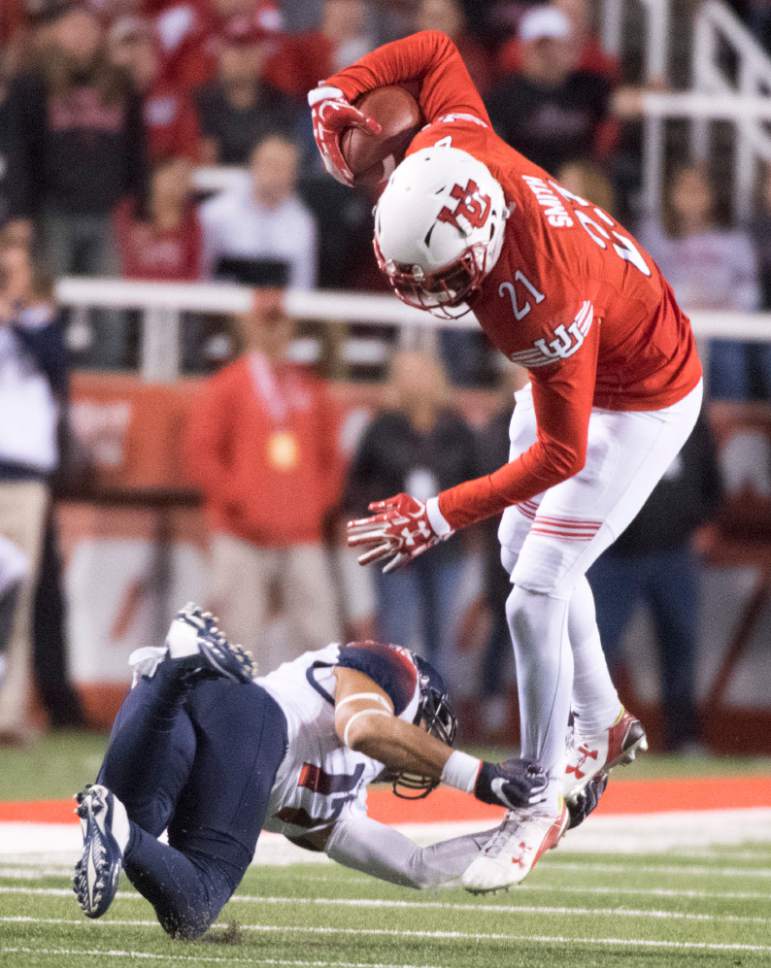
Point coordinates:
pixel 548 545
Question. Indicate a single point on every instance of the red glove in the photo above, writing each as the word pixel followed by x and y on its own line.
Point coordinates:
pixel 331 114
pixel 400 530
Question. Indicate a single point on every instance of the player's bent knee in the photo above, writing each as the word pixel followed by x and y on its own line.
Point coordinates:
pixel 522 610
pixel 186 925
pixel 188 914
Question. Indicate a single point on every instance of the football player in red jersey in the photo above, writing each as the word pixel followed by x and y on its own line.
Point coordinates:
pixel 467 223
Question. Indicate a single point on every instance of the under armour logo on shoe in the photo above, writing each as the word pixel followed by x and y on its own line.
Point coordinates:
pixel 586 754
pixel 520 859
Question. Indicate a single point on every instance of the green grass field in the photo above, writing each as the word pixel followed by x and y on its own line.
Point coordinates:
pixel 675 910
pixel 630 912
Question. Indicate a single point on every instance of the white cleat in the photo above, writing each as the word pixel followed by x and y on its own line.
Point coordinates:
pixel 105 828
pixel 514 849
pixel 589 756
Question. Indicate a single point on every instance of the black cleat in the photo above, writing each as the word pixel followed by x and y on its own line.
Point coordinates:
pixel 197 644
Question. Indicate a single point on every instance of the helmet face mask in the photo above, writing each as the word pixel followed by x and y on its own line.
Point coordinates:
pixel 441 291
pixel 436 716
pixel 439 229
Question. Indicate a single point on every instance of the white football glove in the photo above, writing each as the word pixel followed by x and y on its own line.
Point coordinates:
pixel 332 114
pixel 400 529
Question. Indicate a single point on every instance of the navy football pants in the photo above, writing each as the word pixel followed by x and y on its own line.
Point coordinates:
pixel 668 582
pixel 200 761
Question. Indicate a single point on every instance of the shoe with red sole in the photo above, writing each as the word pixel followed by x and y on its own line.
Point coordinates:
pixel 589 756
pixel 514 849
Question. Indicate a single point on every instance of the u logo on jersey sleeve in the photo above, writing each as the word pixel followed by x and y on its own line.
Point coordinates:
pixel 567 341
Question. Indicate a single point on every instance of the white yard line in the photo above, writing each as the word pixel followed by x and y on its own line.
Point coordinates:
pixel 471 907
pixel 523 891
pixel 762 852
pixel 430 935
pixel 92 953
pixel 33 873
pixel 688 870
pixel 477 908
pixel 650 892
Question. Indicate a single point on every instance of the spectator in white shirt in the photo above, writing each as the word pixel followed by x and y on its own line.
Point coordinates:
pixel 263 219
pixel 33 379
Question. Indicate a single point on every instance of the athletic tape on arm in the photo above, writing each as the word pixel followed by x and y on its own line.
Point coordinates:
pixel 365 695
pixel 362 712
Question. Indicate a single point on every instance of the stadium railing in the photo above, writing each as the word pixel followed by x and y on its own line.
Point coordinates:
pixel 162 307
pixel 730 77
pixel 616 34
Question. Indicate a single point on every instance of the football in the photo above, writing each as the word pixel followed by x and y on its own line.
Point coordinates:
pixel 370 157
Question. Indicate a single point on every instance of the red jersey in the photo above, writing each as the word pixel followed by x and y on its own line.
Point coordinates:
pixel 573 297
pixel 262 444
pixel 147 253
pixel 171 123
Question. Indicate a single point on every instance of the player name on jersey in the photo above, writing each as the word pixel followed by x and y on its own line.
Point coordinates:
pixel 556 213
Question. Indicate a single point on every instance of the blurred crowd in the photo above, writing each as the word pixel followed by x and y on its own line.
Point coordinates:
pixel 108 108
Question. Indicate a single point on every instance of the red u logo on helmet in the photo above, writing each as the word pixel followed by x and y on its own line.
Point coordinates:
pixel 472 209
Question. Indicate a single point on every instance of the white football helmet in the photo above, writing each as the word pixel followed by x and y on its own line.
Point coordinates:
pixel 439 228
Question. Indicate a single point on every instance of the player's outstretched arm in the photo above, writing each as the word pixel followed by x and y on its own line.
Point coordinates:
pixel 365 722
pixel 429 59
pixel 359 842
pixel 401 527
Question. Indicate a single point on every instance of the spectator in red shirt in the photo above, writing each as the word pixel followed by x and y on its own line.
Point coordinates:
pixel 240 107
pixel 11 19
pixel 449 17
pixel 262 445
pixel 170 118
pixel 163 242
pixel 13 24
pixel 187 31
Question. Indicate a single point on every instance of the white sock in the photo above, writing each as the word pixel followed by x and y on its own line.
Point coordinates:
pixel 595 699
pixel 119 825
pixel 182 640
pixel 544 663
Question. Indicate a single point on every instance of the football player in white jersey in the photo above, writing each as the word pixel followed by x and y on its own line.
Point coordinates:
pixel 202 749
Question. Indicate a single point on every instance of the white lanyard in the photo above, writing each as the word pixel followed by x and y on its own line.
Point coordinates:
pixel 268 388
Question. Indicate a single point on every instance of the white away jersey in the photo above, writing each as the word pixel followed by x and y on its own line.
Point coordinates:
pixel 319 777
